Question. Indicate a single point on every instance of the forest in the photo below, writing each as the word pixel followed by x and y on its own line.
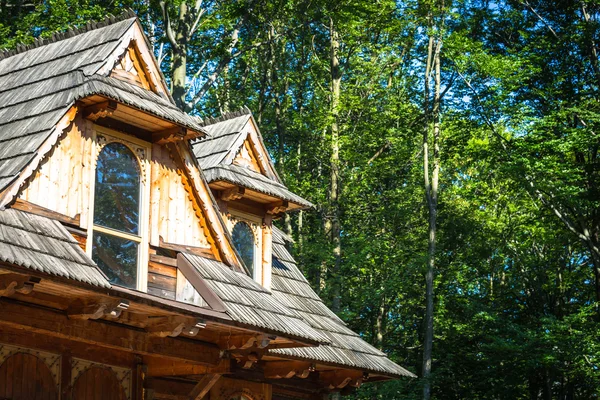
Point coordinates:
pixel 452 149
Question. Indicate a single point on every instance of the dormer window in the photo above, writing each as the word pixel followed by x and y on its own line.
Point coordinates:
pixel 244 241
pixel 118 233
pixel 247 234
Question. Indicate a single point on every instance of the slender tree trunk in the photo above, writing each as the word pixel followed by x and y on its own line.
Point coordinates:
pixel 178 76
pixel 431 183
pixel 334 189
pixel 380 324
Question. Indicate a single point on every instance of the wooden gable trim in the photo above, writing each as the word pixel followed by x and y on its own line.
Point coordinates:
pixel 215 225
pixel 143 78
pixel 253 139
pixel 257 143
pixel 12 191
pixel 251 161
pixel 135 37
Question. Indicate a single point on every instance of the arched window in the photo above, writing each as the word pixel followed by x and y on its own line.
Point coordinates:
pixel 243 240
pixel 116 230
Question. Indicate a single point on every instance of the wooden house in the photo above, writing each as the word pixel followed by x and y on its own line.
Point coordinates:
pixel 138 256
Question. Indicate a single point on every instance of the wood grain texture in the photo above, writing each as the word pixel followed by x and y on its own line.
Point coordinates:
pixel 26 377
pixel 98 383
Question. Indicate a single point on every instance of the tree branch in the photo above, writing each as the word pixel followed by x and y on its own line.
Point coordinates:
pixel 168 27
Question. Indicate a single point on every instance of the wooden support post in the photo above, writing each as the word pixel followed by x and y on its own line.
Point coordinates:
pixel 267 251
pixel 138 380
pixel 65 375
pixel 204 386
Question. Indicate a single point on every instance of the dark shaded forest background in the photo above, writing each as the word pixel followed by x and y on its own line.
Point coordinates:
pixel 500 99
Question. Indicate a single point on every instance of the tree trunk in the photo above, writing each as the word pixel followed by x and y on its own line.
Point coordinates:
pixel 178 76
pixel 336 79
pixel 380 324
pixel 431 193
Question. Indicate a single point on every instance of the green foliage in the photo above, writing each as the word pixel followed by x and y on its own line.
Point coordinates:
pixel 519 222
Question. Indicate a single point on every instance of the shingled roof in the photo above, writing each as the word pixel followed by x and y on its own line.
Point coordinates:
pixel 39 85
pixel 248 303
pixel 44 245
pixel 346 348
pixel 253 180
pixel 226 135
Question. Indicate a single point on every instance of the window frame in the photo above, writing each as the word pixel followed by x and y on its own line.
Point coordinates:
pixel 255 224
pixel 142 151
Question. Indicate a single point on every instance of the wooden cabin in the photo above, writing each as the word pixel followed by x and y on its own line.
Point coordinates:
pixel 138 256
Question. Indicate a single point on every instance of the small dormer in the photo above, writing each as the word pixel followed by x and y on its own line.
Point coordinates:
pixel 249 192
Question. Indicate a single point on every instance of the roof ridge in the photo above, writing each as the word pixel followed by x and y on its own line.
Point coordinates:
pixel 71 32
pixel 244 110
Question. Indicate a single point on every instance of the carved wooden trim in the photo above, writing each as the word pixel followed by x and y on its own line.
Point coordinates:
pixel 234 193
pixel 16 283
pixel 100 110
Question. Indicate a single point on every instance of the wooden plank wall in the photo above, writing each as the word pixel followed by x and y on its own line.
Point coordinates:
pixel 61 184
pixel 172 212
pixel 162 280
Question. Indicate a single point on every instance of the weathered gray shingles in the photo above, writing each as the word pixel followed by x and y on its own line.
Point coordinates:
pixel 42 244
pixel 252 180
pixel 211 151
pixel 346 348
pixel 249 303
pixel 84 41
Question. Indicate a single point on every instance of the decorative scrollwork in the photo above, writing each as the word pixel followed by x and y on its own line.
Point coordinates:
pixel 139 151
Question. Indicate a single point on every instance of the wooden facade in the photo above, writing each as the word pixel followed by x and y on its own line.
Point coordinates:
pixel 148 290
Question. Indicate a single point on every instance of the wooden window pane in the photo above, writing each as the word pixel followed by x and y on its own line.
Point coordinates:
pixel 243 240
pixel 117 257
pixel 117 193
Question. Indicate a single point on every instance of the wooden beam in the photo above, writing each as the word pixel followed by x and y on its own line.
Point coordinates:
pixel 340 378
pixel 174 326
pixel 23 205
pixel 16 283
pixel 278 207
pixel 193 276
pixel 203 387
pixel 100 333
pixel 95 309
pixel 170 135
pixel 288 369
pixel 175 389
pixel 172 368
pixel 201 251
pixel 100 110
pixel 234 193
